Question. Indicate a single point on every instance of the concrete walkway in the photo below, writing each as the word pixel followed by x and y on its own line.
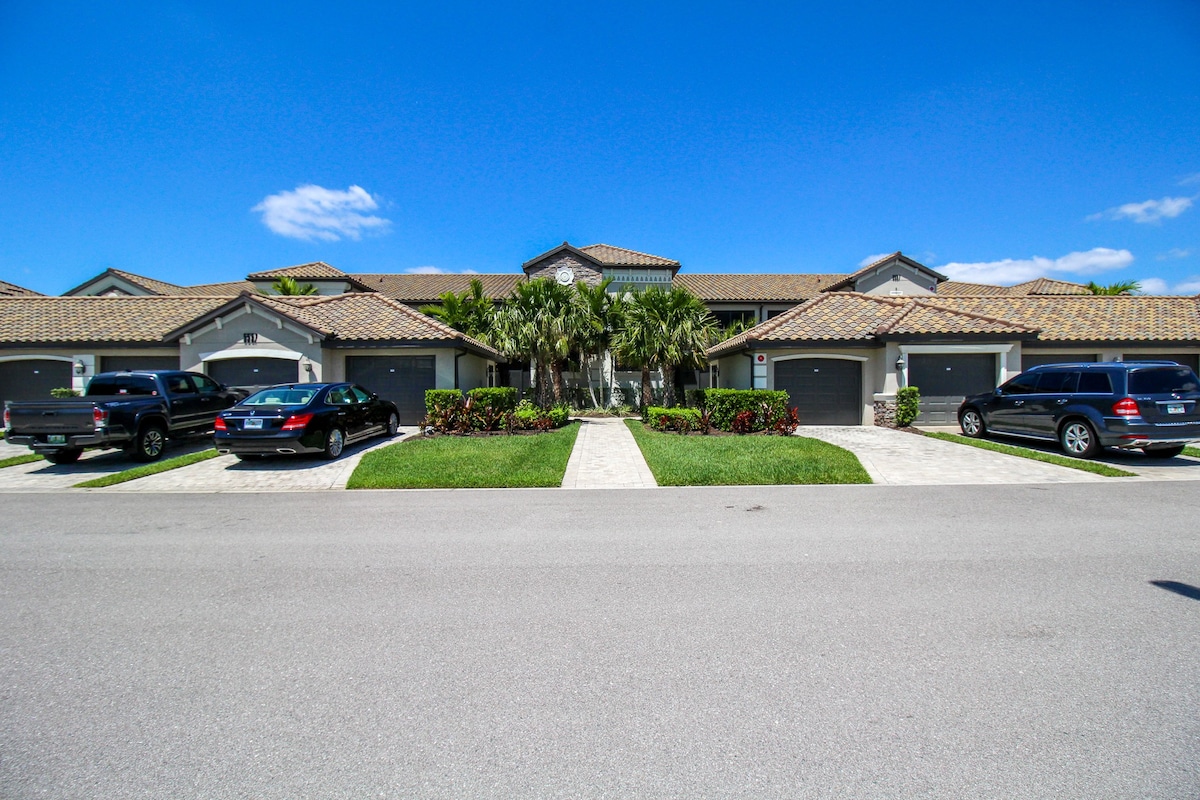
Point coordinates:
pixel 606 457
pixel 897 457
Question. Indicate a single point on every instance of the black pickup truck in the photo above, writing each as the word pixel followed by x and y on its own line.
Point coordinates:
pixel 137 411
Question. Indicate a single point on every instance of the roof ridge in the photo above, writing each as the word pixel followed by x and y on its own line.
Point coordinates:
pixel 985 317
pixel 902 311
pixel 629 250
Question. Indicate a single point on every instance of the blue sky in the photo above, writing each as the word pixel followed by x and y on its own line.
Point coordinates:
pixel 199 142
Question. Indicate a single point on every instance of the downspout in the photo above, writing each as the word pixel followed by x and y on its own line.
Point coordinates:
pixel 457 356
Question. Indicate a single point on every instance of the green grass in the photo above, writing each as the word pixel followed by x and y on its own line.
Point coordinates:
pixel 468 462
pixel 1036 455
pixel 1194 452
pixel 147 469
pixel 14 460
pixel 696 460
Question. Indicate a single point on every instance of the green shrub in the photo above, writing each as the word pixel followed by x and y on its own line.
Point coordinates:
pixel 908 406
pixel 63 392
pixel 439 402
pixel 559 415
pixel 725 404
pixel 672 419
pixel 500 398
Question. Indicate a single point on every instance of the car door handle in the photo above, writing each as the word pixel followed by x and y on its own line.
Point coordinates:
pixel 1062 401
pixel 1018 402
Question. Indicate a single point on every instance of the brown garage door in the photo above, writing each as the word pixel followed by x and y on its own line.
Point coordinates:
pixel 824 391
pixel 401 379
pixel 945 379
pixel 253 373
pixel 32 379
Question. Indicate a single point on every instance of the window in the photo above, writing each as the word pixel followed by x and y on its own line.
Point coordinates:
pixel 338 396
pixel 360 396
pixel 1022 384
pixel 1057 382
pixel 727 318
pixel 205 384
pixel 125 384
pixel 179 384
pixel 1169 380
pixel 1095 383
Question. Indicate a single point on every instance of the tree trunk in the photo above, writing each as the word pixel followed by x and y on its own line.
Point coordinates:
pixel 668 376
pixel 543 384
pixel 647 397
pixel 556 368
pixel 585 364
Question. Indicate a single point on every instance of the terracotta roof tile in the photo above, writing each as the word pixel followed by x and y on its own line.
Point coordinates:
pixel 757 288
pixel 417 289
pixel 1093 317
pixel 97 319
pixel 317 270
pixel 12 290
pixel 609 255
pixel 1038 286
pixel 149 284
pixel 228 289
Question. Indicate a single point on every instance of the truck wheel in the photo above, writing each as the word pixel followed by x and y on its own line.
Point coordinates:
pixel 66 456
pixel 150 442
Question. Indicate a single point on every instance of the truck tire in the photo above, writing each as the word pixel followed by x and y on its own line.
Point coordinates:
pixel 149 443
pixel 68 455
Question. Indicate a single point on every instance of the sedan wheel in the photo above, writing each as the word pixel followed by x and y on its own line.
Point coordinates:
pixel 393 424
pixel 971 423
pixel 1078 439
pixel 335 442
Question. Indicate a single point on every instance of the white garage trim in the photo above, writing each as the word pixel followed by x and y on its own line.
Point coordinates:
pixel 946 349
pixel 37 358
pixel 821 355
pixel 226 355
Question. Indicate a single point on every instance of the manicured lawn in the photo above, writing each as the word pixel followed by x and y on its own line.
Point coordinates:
pixel 1036 455
pixel 468 462
pixel 1194 452
pixel 696 460
pixel 14 460
pixel 147 469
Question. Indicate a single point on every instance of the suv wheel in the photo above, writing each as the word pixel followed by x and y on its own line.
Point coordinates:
pixel 1078 439
pixel 971 423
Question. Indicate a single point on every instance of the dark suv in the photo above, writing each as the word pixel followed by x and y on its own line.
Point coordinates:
pixel 1151 405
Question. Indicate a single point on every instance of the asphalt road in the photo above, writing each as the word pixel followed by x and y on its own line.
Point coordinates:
pixel 854 642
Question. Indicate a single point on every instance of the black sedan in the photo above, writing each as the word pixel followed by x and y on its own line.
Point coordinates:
pixel 304 418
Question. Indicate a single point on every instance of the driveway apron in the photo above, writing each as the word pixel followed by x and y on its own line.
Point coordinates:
pixel 898 458
pixel 606 457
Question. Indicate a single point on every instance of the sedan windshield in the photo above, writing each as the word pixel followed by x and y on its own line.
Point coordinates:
pixel 280 397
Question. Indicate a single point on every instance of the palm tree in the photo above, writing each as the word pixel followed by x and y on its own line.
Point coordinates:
pixel 592 329
pixel 664 329
pixel 536 324
pixel 1118 288
pixel 471 312
pixel 287 286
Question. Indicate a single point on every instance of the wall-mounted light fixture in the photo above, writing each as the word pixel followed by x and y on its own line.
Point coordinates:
pixel 307 364
pixel 80 368
pixel 900 363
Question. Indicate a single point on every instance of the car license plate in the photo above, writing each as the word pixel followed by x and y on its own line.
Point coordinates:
pixel 1175 408
pixel 57 438
pixel 253 424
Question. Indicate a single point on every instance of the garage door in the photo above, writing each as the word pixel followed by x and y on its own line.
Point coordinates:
pixel 824 391
pixel 133 363
pixel 32 379
pixel 253 373
pixel 1037 359
pixel 1186 359
pixel 401 379
pixel 944 380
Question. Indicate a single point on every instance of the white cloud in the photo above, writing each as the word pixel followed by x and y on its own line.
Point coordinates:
pixel 872 259
pixel 1148 211
pixel 314 212
pixel 1190 179
pixel 438 271
pixel 1154 286
pixel 1190 286
pixel 1173 253
pixel 1014 270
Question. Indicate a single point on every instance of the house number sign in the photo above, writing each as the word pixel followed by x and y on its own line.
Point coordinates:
pixel 249 338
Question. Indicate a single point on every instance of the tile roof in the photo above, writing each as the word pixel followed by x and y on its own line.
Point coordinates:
pixel 369 317
pixel 149 284
pixel 317 270
pixel 12 290
pixel 850 279
pixel 851 317
pixel 1038 286
pixel 1137 318
pixel 612 256
pixel 44 320
pixel 228 289
pixel 757 288
pixel 416 289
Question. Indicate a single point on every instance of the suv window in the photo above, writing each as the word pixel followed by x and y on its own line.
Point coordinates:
pixel 1166 380
pixel 1095 383
pixel 1025 383
pixel 1056 382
